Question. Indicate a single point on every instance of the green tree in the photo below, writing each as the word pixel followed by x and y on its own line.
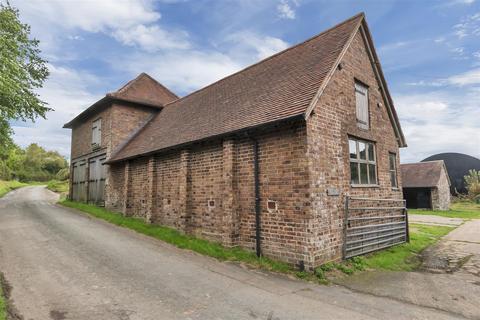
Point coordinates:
pixel 472 180
pixel 22 71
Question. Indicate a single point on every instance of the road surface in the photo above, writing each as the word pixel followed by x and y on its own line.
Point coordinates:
pixel 64 265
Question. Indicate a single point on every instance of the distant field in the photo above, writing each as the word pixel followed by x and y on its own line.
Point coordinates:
pixel 460 209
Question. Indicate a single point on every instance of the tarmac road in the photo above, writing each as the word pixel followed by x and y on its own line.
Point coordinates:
pixel 64 265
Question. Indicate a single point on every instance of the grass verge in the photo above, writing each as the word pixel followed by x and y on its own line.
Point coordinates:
pixel 404 257
pixel 3 305
pixel 176 238
pixel 7 186
pixel 459 209
pixel 58 186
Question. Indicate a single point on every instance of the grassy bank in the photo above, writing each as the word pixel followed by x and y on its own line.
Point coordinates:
pixel 58 186
pixel 7 186
pixel 403 257
pixel 3 302
pixel 460 209
pixel 180 240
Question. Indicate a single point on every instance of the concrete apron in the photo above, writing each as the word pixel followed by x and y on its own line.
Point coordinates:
pixel 449 280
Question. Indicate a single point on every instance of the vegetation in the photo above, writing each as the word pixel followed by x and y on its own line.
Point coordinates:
pixel 58 186
pixel 404 257
pixel 3 304
pixel 472 181
pixel 183 241
pixel 463 209
pixel 7 186
pixel 23 72
pixel 33 163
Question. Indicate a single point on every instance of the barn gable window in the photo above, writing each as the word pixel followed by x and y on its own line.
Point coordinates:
pixel 363 164
pixel 392 159
pixel 97 133
pixel 361 100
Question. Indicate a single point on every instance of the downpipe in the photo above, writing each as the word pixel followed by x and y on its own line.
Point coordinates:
pixel 258 247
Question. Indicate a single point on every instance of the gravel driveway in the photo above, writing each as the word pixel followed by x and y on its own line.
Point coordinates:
pixel 65 265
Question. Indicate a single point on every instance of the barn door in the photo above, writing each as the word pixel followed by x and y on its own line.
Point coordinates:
pixel 79 186
pixel 96 180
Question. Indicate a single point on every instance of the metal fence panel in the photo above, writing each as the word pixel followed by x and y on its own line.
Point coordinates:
pixel 373 224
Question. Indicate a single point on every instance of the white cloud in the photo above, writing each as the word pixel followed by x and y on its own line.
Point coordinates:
pixel 467 78
pixel 262 46
pixel 152 38
pixel 187 70
pixel 90 15
pixel 285 10
pixel 438 122
pixel 131 22
pixel 184 71
pixel 469 26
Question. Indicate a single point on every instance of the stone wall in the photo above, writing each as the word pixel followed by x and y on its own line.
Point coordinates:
pixel 441 193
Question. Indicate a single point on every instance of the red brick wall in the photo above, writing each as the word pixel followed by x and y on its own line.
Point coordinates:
pixel 82 134
pixel 205 183
pixel 214 167
pixel 137 193
pixel 283 179
pixel 166 206
pixel 298 162
pixel 328 129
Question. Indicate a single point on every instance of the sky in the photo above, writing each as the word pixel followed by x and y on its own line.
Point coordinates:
pixel 429 51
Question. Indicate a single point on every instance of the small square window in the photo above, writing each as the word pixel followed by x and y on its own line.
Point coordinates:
pixel 271 205
pixel 211 204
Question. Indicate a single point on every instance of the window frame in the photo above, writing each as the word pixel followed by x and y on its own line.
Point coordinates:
pixel 96 128
pixel 362 89
pixel 394 170
pixel 367 161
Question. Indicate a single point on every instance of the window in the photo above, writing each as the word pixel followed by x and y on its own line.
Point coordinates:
pixel 361 99
pixel 97 132
pixel 363 166
pixel 392 158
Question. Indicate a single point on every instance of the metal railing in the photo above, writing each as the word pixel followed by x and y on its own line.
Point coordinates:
pixel 373 224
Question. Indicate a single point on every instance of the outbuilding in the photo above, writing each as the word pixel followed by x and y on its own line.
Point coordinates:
pixel 294 157
pixel 426 185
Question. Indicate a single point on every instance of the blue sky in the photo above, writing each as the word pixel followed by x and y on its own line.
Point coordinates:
pixel 429 50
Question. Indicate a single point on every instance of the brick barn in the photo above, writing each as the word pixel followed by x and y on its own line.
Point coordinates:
pixel 426 185
pixel 263 159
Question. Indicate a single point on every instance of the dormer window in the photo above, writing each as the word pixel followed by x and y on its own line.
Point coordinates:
pixel 361 100
pixel 97 133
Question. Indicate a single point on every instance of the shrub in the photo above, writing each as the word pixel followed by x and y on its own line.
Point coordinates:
pixel 472 180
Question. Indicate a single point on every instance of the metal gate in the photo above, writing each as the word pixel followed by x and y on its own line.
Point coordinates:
pixel 79 184
pixel 96 180
pixel 373 224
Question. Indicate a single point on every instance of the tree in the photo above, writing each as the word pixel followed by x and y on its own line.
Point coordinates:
pixel 22 71
pixel 472 180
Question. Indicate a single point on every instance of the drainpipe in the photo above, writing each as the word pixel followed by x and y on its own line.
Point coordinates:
pixel 257 198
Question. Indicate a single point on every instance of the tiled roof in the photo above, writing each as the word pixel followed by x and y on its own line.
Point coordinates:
pixel 143 90
pixel 422 174
pixel 279 87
